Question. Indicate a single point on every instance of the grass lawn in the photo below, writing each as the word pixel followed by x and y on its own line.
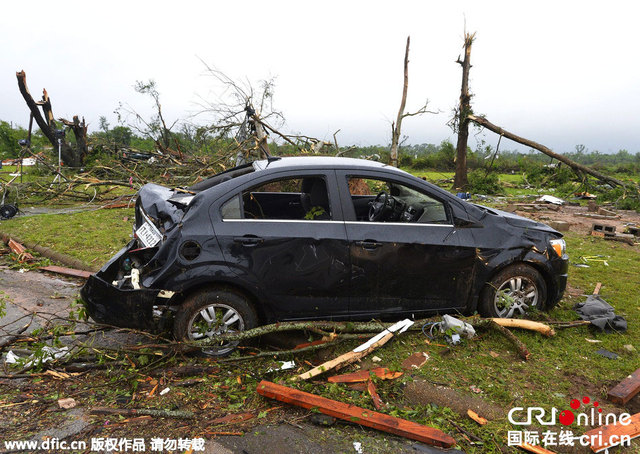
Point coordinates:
pixel 89 236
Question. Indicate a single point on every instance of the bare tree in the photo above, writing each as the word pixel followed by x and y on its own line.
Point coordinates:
pixel 243 113
pixel 461 120
pixel 72 156
pixel 396 127
pixel 155 128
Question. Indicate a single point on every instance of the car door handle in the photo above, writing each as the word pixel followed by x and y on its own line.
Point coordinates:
pixel 248 240
pixel 369 244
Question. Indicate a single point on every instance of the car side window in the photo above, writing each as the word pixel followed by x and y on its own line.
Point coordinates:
pixel 377 200
pixel 300 198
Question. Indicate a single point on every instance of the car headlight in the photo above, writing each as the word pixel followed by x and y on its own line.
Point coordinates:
pixel 559 246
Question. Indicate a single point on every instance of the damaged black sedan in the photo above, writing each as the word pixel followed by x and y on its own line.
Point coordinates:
pixel 306 238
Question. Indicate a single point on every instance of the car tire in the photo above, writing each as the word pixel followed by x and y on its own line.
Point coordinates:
pixel 196 318
pixel 513 292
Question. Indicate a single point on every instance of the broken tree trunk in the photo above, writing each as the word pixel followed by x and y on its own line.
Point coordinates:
pixel 543 329
pixel 396 128
pixel 71 156
pixel 355 414
pixel 578 168
pixel 179 414
pixel 460 180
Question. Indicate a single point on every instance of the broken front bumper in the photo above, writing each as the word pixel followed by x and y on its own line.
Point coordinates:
pixel 110 305
pixel 122 308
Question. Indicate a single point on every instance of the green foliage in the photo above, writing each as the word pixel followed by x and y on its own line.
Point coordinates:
pixel 622 199
pixel 481 182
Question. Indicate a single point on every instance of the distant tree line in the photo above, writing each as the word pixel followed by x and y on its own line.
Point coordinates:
pixel 201 140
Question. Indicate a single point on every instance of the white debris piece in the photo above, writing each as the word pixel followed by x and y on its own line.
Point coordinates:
pixel 551 199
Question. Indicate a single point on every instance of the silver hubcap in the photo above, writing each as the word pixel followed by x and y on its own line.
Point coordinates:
pixel 214 320
pixel 515 297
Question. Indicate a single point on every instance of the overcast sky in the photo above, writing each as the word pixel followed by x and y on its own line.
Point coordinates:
pixel 561 73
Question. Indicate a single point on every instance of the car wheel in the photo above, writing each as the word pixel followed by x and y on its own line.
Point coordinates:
pixel 513 292
pixel 210 313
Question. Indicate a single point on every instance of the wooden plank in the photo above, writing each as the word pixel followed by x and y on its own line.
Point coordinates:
pixel 624 391
pixel 355 414
pixel 67 271
pixel 605 437
pixel 364 375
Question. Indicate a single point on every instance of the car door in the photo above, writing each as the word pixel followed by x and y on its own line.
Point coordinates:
pixel 288 244
pixel 411 265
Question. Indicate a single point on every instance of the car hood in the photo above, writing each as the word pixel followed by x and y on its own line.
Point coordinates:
pixel 519 221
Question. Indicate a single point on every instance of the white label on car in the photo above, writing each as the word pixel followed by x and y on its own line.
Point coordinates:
pixel 148 234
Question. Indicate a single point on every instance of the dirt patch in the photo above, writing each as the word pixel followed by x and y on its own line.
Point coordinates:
pixel 578 217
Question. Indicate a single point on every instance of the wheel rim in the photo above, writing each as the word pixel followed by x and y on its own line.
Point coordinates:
pixel 515 297
pixel 214 320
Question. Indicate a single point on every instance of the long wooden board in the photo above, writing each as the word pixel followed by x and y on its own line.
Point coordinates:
pixel 67 271
pixel 355 414
pixel 606 437
pixel 624 391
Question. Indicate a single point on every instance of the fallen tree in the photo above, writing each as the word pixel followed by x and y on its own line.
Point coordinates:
pixel 578 168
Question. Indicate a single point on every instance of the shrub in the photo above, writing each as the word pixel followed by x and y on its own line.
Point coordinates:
pixel 482 183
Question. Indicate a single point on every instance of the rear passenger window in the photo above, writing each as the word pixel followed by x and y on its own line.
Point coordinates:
pixel 302 198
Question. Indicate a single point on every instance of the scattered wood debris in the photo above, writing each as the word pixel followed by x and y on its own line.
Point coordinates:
pixel 20 251
pixel 359 352
pixel 624 391
pixel 67 403
pixel 375 397
pixel 605 437
pixel 365 375
pixel 355 414
pixel 233 418
pixel 415 361
pixel 476 417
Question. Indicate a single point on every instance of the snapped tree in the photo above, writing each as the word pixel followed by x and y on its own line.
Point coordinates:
pixel 73 155
pixel 396 127
pixel 461 120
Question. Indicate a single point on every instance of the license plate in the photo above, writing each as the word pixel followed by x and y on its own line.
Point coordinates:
pixel 148 234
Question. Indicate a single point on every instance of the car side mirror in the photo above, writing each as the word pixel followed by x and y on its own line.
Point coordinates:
pixel 466 223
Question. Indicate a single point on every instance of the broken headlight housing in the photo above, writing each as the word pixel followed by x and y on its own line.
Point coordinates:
pixel 559 246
